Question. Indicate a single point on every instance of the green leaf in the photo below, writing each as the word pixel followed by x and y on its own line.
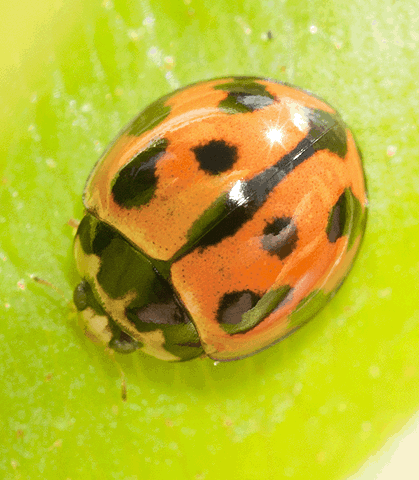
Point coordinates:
pixel 314 406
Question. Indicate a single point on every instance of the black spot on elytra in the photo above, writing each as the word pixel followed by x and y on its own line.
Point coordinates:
pixel 135 184
pixel 215 156
pixel 233 305
pixel 102 238
pixel 240 312
pixel 338 217
pixel 280 237
pixel 94 235
pixel 244 95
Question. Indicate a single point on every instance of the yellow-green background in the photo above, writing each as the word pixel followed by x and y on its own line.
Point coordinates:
pixel 316 405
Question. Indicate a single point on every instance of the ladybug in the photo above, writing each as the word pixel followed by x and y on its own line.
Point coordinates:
pixel 220 220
